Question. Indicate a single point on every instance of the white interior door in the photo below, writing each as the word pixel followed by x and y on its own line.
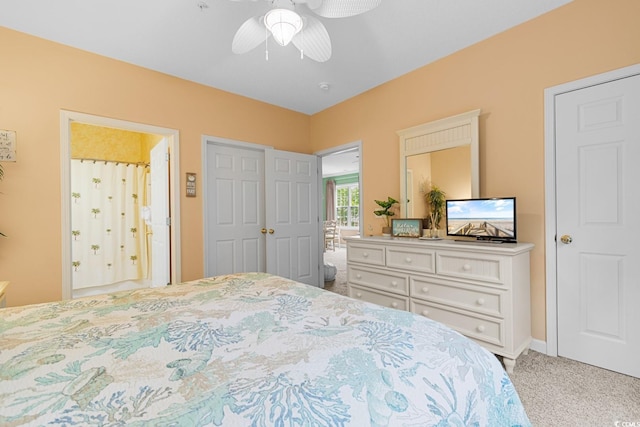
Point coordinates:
pixel 598 206
pixel 292 213
pixel 160 222
pixel 235 211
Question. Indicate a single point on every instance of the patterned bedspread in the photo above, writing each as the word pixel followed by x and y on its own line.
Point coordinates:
pixel 243 350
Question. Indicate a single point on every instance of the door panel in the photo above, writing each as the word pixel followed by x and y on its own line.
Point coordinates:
pixel 292 212
pixel 235 212
pixel 597 157
pixel 159 176
pixel 250 190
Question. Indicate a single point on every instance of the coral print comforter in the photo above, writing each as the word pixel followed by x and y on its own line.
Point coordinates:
pixel 243 350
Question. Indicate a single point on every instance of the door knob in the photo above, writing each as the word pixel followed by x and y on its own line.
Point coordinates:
pixel 566 239
pixel 263 231
pixel 271 231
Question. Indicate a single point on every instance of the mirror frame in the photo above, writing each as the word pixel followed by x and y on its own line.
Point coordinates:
pixel 450 132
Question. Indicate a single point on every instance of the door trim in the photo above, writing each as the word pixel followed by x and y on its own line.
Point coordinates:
pixel 550 191
pixel 173 138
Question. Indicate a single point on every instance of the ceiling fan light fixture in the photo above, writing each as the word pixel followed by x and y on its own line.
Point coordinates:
pixel 283 24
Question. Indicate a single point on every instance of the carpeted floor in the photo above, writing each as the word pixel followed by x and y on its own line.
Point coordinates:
pixel 339 259
pixel 556 392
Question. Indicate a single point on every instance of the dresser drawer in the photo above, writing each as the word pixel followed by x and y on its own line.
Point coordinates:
pixel 379 279
pixel 366 254
pixel 413 259
pixel 486 301
pixel 380 298
pixel 473 266
pixel 473 326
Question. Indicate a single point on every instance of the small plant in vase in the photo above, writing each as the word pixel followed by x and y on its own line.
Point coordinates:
pixel 436 199
pixel 387 212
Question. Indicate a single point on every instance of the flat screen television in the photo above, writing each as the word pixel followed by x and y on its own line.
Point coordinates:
pixel 493 220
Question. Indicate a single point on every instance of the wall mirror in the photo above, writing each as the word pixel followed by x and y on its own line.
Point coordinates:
pixel 443 152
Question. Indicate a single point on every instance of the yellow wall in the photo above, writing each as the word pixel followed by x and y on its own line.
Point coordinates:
pixel 102 143
pixel 505 76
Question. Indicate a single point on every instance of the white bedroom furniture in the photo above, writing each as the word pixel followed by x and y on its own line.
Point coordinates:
pixel 479 289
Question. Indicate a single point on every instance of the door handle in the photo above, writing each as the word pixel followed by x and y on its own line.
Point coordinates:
pixel 271 231
pixel 263 231
pixel 566 239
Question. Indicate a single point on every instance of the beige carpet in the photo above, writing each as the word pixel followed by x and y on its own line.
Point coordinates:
pixel 556 392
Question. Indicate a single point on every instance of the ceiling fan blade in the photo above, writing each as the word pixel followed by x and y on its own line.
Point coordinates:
pixel 313 41
pixel 343 8
pixel 249 35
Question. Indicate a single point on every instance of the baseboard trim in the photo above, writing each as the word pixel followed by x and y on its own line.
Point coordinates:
pixel 539 346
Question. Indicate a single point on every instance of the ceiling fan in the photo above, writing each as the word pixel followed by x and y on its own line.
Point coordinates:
pixel 306 32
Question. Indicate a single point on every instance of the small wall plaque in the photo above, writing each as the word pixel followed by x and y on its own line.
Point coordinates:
pixel 191 184
pixel 7 145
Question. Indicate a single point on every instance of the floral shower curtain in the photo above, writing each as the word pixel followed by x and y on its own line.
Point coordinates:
pixel 109 236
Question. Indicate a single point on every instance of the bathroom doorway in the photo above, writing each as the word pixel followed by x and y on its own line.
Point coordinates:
pixel 125 241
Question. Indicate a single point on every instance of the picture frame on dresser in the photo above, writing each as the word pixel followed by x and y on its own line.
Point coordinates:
pixel 406 227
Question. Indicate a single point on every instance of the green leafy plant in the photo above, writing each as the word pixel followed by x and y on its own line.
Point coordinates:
pixel 386 211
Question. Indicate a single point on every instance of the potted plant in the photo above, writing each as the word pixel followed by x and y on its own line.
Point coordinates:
pixel 386 212
pixel 436 199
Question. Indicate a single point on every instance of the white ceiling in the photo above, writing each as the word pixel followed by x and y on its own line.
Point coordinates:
pixel 191 39
pixel 342 163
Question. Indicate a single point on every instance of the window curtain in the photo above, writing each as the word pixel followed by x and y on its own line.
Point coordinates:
pixel 109 236
pixel 330 200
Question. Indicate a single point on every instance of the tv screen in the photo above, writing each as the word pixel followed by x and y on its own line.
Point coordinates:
pixel 485 219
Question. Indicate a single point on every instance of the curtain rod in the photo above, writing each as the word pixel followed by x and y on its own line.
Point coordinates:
pixel 111 161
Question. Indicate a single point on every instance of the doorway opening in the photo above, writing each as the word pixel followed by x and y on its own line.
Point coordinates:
pixel 155 252
pixel 340 208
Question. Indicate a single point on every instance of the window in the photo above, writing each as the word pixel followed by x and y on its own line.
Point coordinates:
pixel 348 205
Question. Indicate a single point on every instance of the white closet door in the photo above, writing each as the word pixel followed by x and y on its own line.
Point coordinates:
pixel 235 212
pixel 291 182
pixel 598 206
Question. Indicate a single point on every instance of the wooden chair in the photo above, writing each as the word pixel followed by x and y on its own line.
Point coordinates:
pixel 331 234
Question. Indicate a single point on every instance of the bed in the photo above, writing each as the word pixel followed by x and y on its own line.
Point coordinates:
pixel 247 349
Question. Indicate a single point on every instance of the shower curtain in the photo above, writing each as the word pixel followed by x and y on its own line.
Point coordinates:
pixel 109 236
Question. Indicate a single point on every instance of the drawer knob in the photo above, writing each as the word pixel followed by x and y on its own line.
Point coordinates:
pixel 480 328
pixel 365 255
pixel 394 304
pixel 480 301
pixel 466 267
pixel 425 290
pixel 425 312
pixel 359 294
pixel 358 276
pixel 408 260
pixel 394 284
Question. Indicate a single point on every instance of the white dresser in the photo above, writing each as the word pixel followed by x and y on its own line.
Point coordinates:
pixel 479 289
